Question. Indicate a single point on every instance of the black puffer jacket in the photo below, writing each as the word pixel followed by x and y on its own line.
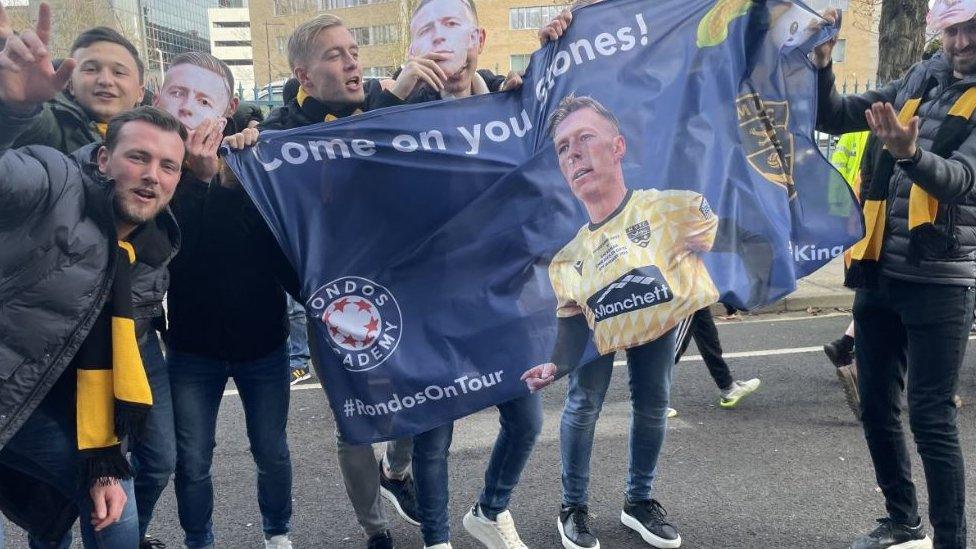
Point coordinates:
pixel 56 234
pixel 950 180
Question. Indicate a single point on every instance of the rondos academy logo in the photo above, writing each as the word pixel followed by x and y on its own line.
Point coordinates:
pixel 362 319
pixel 640 288
pixel 766 138
pixel 640 233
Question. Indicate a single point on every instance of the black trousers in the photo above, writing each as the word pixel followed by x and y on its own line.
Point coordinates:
pixel 915 333
pixel 703 329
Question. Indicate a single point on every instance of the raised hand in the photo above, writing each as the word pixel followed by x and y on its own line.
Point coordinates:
pixel 898 138
pixel 27 75
pixel 417 70
pixel 201 148
pixel 513 81
pixel 556 28
pixel 822 54
pixel 539 377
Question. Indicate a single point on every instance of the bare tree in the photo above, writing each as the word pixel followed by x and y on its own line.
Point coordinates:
pixel 902 36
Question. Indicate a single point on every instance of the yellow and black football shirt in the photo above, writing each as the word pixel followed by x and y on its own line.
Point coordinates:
pixel 638 273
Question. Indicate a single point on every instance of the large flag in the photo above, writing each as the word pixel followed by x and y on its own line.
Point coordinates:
pixel 425 235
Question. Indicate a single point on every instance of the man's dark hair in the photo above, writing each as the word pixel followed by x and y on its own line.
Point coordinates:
pixel 572 103
pixel 157 117
pixel 106 34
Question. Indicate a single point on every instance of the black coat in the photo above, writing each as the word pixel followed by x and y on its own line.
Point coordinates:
pixel 57 234
pixel 951 180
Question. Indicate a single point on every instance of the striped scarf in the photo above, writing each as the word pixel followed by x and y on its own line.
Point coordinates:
pixel 113 395
pixel 923 208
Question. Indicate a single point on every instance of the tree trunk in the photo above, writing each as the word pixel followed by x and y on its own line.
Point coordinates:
pixel 902 37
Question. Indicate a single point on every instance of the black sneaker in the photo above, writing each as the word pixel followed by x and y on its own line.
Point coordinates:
pixel 838 353
pixel 402 494
pixel 151 543
pixel 891 535
pixel 380 541
pixel 574 528
pixel 647 519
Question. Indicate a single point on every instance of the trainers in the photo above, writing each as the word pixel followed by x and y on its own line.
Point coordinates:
pixel 493 534
pixel 574 528
pixel 891 535
pixel 671 413
pixel 151 543
pixel 299 375
pixel 838 354
pixel 445 545
pixel 738 391
pixel 957 401
pixel 848 381
pixel 383 540
pixel 402 494
pixel 278 542
pixel 647 518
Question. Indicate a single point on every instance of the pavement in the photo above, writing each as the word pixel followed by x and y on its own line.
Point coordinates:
pixel 821 291
pixel 788 468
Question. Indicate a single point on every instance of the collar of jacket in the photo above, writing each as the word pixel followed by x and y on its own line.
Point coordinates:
pixel 155 242
pixel 319 111
pixel 65 104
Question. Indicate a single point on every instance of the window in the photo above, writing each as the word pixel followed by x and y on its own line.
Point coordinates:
pixel 232 24
pixel 281 42
pixel 532 17
pixel 377 34
pixel 231 43
pixel 339 4
pixel 289 7
pixel 839 54
pixel 519 62
pixel 378 72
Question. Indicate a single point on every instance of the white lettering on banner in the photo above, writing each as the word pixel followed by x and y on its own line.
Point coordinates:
pixel 461 386
pixel 810 252
pixel 584 51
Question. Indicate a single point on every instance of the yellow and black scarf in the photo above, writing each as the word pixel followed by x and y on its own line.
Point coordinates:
pixel 922 207
pixel 113 395
pixel 317 110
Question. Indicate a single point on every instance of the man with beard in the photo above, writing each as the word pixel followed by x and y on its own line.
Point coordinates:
pixel 76 229
pixel 914 272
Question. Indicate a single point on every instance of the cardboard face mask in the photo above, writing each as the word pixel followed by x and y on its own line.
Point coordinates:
pixel 945 13
pixel 444 26
pixel 192 94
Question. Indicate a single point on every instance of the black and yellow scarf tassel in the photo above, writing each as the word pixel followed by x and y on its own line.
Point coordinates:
pixel 113 394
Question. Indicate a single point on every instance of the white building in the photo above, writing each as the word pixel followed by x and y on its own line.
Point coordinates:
pixel 230 41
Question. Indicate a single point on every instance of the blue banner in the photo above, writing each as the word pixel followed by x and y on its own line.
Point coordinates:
pixel 438 243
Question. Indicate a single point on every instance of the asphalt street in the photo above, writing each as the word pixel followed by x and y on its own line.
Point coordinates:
pixel 788 468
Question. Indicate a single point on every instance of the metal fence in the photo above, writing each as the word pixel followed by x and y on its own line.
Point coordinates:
pixel 827 142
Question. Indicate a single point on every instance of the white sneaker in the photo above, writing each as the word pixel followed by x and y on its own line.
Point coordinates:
pixel 738 391
pixel 672 413
pixel 493 534
pixel 439 546
pixel 278 542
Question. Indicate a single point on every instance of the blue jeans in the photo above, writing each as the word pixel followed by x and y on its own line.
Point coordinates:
pixel 198 385
pixel 521 422
pixel 153 457
pixel 650 385
pixel 45 448
pixel 297 336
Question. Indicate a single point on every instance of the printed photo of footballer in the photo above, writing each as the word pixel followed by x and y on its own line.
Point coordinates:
pixel 635 270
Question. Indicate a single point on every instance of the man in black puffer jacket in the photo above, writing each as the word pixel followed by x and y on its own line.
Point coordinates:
pixel 60 218
pixel 914 274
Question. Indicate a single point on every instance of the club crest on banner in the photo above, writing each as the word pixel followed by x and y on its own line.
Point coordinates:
pixel 640 233
pixel 768 143
pixel 362 319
